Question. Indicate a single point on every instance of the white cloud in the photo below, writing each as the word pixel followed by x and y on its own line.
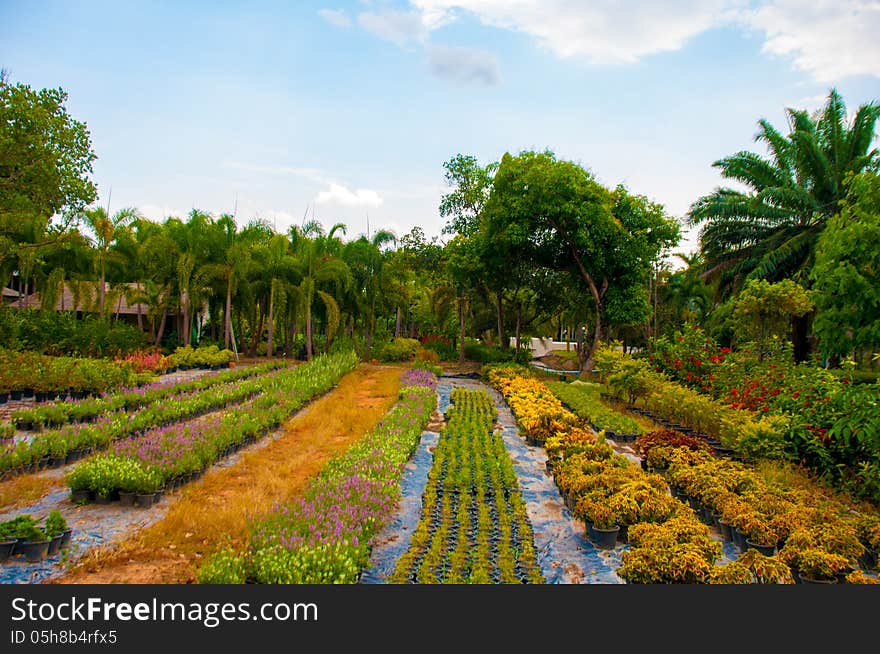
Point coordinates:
pixel 342 195
pixel 828 39
pixel 399 27
pixel 465 65
pixel 336 17
pixel 605 32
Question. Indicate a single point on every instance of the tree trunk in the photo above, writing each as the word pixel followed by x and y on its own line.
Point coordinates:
pixel 800 332
pixel 270 345
pixel 118 307
pixel 308 331
pixel 161 331
pixel 140 316
pixel 518 326
pixel 258 335
pixel 597 336
pixel 461 313
pixel 101 293
pixel 227 314
pixel 498 306
pixel 397 324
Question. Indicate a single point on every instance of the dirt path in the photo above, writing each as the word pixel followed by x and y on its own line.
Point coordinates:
pixel 217 508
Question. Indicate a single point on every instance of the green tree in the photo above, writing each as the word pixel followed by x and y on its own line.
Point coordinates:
pixel 770 230
pixel 846 275
pixel 105 230
pixel 764 308
pixel 45 168
pixel 563 219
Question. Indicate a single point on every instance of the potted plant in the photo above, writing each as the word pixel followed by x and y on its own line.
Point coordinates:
pixel 35 545
pixel 605 526
pixel 817 566
pixel 56 525
pixel 766 569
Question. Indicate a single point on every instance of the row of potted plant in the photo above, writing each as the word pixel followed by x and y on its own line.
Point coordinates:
pixel 325 536
pixel 206 356
pixel 668 543
pixel 474 527
pixel 169 455
pixel 26 374
pixel 633 381
pixel 59 413
pixel 584 400
pixel 59 446
pixel 24 536
pixel 538 411
pixel 820 536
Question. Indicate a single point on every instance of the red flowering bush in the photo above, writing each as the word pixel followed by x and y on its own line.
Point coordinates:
pixel 146 361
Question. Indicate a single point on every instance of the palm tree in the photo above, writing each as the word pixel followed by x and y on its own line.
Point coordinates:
pixel 317 262
pixel 105 229
pixel 770 230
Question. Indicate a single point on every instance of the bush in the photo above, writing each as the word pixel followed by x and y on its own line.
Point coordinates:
pixel 61 333
pixel 443 346
pixel 399 349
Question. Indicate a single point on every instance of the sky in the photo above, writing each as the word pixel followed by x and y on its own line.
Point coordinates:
pixel 346 111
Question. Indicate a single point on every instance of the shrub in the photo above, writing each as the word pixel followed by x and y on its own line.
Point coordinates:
pixel 55 523
pixel 399 349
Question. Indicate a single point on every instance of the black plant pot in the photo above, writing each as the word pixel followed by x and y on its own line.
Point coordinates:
pixel 34 551
pixel 65 537
pixel 15 396
pixel 102 499
pixel 57 461
pixel 126 499
pixel 766 550
pixel 7 547
pixel 145 500
pixel 54 545
pixel 726 530
pixel 79 496
pixel 605 538
pixel 808 580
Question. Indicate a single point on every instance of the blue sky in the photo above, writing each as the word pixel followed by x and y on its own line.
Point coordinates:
pixel 349 109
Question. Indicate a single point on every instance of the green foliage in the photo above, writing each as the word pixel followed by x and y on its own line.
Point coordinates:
pixel 47 163
pixel 26 370
pixel 399 349
pixel 846 275
pixel 210 355
pixel 770 231
pixel 223 567
pixel 584 400
pixel 763 308
pixel 61 333
pixel 55 523
pixel 22 526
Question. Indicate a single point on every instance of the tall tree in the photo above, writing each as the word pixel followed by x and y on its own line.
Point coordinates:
pixel 770 230
pixel 105 230
pixel 561 218
pixel 45 169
